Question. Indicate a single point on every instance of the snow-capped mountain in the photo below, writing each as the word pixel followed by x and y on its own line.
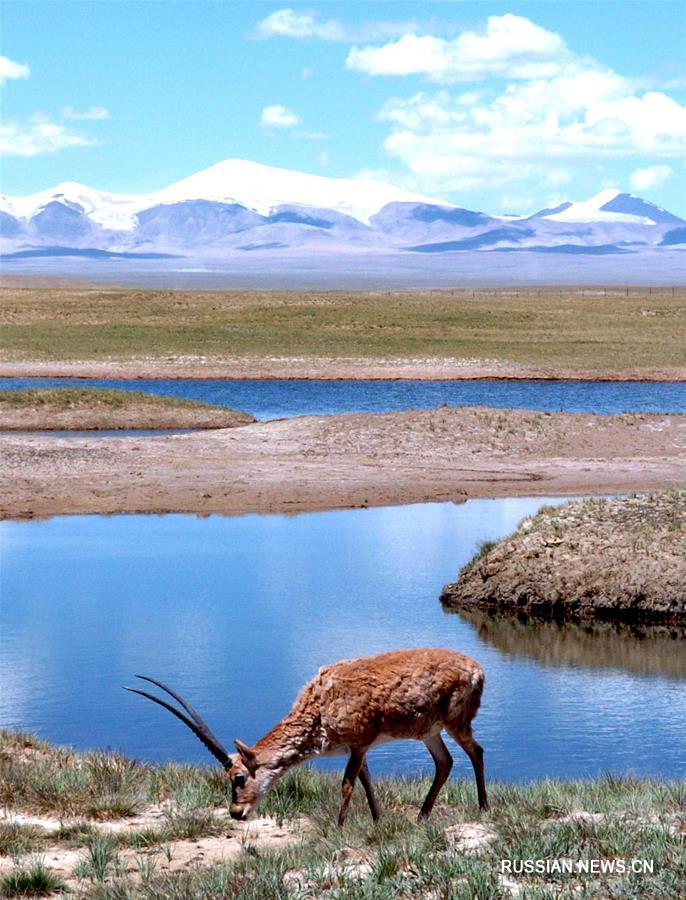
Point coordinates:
pixel 610 206
pixel 235 181
pixel 238 207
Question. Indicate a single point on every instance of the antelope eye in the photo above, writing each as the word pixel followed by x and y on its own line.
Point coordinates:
pixel 239 780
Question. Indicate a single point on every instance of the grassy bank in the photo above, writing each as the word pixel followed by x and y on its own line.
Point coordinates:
pixel 544 328
pixel 622 558
pixel 67 829
pixel 73 408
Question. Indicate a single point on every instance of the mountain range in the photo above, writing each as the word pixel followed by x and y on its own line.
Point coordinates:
pixel 238 208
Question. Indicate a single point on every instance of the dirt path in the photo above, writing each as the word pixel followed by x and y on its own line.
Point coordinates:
pixel 313 368
pixel 357 460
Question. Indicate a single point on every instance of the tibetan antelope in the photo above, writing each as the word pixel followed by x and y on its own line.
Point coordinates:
pixel 347 708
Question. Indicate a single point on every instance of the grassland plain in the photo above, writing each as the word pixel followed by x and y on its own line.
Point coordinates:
pixel 543 332
pixel 98 825
pixel 74 408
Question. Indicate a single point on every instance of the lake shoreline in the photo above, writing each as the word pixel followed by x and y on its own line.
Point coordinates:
pixel 324 369
pixel 313 463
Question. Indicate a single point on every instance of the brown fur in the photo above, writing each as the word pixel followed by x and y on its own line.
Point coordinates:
pixel 352 704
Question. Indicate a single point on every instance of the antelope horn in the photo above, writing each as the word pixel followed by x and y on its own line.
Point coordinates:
pixel 193 720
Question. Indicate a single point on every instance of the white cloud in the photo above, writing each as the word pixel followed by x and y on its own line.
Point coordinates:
pixel 511 46
pixel 466 141
pixel 537 110
pixel 39 135
pixel 10 70
pixel 289 23
pixel 543 124
pixel 277 116
pixel 650 177
pixel 323 158
pixel 93 113
pixel 308 25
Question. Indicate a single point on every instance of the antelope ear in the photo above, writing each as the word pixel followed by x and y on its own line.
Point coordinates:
pixel 247 755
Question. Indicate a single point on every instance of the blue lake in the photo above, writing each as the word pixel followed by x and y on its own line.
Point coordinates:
pixel 237 613
pixel 279 398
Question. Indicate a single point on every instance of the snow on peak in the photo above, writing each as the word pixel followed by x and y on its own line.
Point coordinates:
pixel 593 210
pixel 602 197
pixel 115 211
pixel 261 188
pixel 253 185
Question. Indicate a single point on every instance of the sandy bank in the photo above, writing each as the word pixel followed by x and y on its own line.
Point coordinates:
pixel 329 462
pixel 325 369
pixel 608 559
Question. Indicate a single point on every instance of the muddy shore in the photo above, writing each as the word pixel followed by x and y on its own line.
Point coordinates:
pixel 344 461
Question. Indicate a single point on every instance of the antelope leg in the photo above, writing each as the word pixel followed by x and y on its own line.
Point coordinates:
pixel 352 770
pixel 366 782
pixel 444 763
pixel 475 752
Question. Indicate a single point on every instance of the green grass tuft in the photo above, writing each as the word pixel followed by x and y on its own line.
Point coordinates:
pixel 33 881
pixel 485 548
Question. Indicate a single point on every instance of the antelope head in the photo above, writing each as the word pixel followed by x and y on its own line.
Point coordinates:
pixel 249 780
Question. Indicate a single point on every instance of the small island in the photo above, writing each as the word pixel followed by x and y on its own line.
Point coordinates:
pixel 621 559
pixel 96 409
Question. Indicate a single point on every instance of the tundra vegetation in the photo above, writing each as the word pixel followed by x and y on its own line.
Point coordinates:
pixel 74 408
pixel 621 559
pixel 599 331
pixel 98 825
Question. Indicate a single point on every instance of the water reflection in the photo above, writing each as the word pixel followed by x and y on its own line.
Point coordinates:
pixel 239 612
pixel 643 649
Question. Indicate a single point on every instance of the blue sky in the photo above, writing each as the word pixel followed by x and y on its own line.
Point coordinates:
pixel 505 107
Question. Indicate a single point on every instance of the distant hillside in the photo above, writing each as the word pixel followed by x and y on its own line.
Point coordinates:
pixel 237 208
